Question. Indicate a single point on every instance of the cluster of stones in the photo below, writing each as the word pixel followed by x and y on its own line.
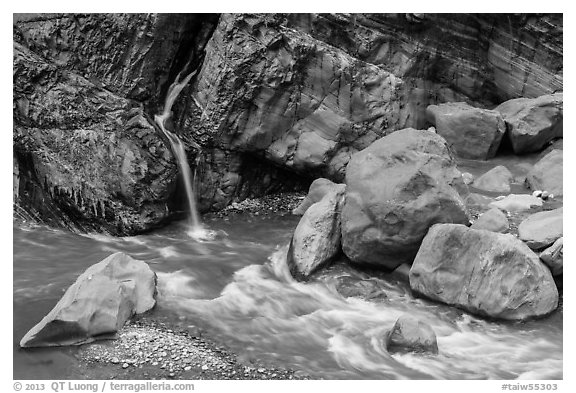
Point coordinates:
pixel 151 350
pixel 405 206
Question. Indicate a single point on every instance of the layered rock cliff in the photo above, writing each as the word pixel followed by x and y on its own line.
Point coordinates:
pixel 279 99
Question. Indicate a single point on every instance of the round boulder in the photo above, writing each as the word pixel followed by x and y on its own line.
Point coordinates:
pixel 411 335
pixel 542 229
pixel 473 132
pixel 98 304
pixel 533 122
pixel 483 272
pixel 396 189
pixel 547 173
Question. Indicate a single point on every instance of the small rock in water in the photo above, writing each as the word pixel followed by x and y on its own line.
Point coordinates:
pixel 125 365
pixel 205 367
pixel 545 195
pixel 115 360
pixel 187 368
pixel 537 193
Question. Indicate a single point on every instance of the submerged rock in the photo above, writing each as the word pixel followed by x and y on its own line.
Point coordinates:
pixel 396 189
pixel 485 273
pixel 98 304
pixel 516 202
pixel 496 179
pixel 473 133
pixel 542 229
pixel 553 257
pixel 492 220
pixel 533 122
pixel 317 238
pixel 547 173
pixel 318 189
pixel 354 287
pixel 411 334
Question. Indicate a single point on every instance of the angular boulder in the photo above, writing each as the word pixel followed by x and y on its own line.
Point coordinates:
pixel 547 173
pixel 316 192
pixel 553 257
pixel 496 179
pixel 411 335
pixel 486 273
pixel 396 189
pixel 516 202
pixel 533 122
pixel 98 304
pixel 493 220
pixel 317 238
pixel 542 229
pixel 472 132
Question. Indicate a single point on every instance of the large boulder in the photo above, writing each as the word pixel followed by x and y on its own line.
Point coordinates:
pixel 317 238
pixel 533 122
pixel 472 132
pixel 411 335
pixel 98 304
pixel 396 189
pixel 496 179
pixel 553 257
pixel 547 173
pixel 493 220
pixel 516 202
pixel 542 229
pixel 486 273
pixel 316 192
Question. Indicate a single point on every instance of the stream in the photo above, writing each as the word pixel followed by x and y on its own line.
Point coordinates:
pixel 237 287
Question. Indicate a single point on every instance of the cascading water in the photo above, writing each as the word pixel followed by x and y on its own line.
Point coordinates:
pixel 196 229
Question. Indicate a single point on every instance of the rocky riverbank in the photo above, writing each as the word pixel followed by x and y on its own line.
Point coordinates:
pixel 147 349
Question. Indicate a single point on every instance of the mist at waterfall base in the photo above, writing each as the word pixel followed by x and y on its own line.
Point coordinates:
pixel 237 289
pixel 195 228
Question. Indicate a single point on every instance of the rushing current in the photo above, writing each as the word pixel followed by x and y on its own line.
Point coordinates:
pixel 236 286
pixel 196 229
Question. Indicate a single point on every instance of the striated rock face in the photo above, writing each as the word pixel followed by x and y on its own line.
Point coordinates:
pixel 395 190
pixel 87 158
pixel 98 304
pixel 297 101
pixel 282 99
pixel 472 132
pixel 486 273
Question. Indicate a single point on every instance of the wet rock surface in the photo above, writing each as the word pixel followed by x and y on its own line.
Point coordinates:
pixel 472 132
pixel 411 335
pixel 146 349
pixel 395 190
pixel 98 304
pixel 483 272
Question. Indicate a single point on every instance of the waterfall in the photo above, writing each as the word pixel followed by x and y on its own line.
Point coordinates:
pixel 196 228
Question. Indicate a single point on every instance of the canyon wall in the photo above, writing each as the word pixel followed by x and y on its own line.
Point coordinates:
pixel 279 99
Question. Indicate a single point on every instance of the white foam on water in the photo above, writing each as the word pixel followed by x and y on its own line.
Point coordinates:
pixel 176 286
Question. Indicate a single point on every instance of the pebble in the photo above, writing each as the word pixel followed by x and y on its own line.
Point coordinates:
pixel 125 365
pixel 205 367
pixel 115 360
pixel 187 368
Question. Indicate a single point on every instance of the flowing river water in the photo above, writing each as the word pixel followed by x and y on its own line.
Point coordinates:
pixel 237 287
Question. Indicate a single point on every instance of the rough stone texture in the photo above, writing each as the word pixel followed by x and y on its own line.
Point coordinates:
pixel 467 178
pixel 317 238
pixel 87 158
pixel 496 179
pixel 492 220
pixel 395 190
pixel 316 192
pixel 412 335
pixel 355 287
pixel 542 229
pixel 553 257
pixel 485 273
pixel 532 123
pixel 547 173
pixel 281 99
pixel 473 133
pixel 98 304
pixel 516 202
